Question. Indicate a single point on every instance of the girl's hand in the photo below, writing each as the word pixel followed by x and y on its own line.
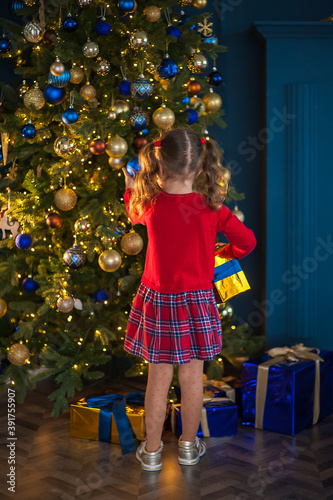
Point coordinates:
pixel 129 180
pixel 219 246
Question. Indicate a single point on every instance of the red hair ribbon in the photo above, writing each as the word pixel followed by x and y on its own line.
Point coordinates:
pixel 157 144
pixel 203 140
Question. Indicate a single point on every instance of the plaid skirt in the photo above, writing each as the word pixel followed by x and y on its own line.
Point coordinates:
pixel 174 327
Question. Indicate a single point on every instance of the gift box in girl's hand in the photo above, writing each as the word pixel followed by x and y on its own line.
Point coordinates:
pixel 229 279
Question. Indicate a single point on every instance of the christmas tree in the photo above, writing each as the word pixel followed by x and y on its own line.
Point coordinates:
pixel 93 86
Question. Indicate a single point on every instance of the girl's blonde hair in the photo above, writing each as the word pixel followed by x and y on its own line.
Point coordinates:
pixel 181 154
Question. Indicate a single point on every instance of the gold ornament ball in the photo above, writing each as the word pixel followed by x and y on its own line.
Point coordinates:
pixel 33 32
pixel 116 147
pixel 57 68
pixel 139 39
pixel 199 4
pixel 65 199
pixel 226 174
pixel 112 115
pixel 103 67
pixel 131 243
pixel 152 13
pixel 163 118
pixel 88 92
pixel 77 75
pixel 65 304
pixel 212 101
pixel 116 163
pixel 82 226
pixel 197 63
pixel 109 261
pixel 120 106
pixel 199 105
pixel 18 354
pixel 3 307
pixel 34 99
pixel 64 146
pixel 226 310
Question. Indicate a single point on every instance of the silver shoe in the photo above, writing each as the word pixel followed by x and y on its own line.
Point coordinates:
pixel 149 460
pixel 189 452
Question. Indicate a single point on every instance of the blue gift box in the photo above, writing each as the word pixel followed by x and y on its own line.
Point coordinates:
pixel 219 418
pixel 291 396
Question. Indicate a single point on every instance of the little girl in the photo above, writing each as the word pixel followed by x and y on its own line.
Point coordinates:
pixel 174 317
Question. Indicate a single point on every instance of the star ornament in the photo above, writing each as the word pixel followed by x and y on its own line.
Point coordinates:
pixel 12 171
pixel 205 28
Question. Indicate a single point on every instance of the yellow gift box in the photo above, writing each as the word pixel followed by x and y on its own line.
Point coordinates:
pixel 229 279
pixel 84 422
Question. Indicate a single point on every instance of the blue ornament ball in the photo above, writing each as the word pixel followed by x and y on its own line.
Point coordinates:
pixel 141 89
pixel 215 78
pixel 74 257
pixel 138 119
pixel 186 100
pixel 23 241
pixel 16 6
pixel 101 295
pixel 70 24
pixel 144 132
pixel 192 116
pixel 61 80
pixel 126 5
pixel 133 166
pixel 174 31
pixel 54 95
pixel 30 285
pixel 28 131
pixel 5 45
pixel 102 27
pixel 70 116
pixel 125 88
pixel 167 68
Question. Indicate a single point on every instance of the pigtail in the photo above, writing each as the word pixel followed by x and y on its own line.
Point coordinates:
pixel 210 182
pixel 145 184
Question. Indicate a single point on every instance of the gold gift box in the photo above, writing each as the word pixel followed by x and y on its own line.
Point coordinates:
pixel 230 286
pixel 84 422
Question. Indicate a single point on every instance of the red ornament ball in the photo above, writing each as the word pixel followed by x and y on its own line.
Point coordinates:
pixel 48 34
pixel 194 87
pixel 54 220
pixel 97 146
pixel 140 141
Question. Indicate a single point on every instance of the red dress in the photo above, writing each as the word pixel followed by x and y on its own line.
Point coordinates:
pixel 174 317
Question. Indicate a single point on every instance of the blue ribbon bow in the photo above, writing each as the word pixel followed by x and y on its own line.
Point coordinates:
pixel 116 404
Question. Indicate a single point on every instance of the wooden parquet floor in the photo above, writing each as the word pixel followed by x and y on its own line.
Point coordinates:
pixel 253 465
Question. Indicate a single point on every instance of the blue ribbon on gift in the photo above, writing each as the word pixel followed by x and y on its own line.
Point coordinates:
pixel 226 270
pixel 116 404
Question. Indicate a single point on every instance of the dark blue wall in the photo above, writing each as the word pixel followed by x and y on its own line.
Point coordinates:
pixel 244 99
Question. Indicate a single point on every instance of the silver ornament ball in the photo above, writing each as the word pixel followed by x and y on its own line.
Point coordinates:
pixel 57 68
pixel 139 39
pixel 90 49
pixel 33 32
